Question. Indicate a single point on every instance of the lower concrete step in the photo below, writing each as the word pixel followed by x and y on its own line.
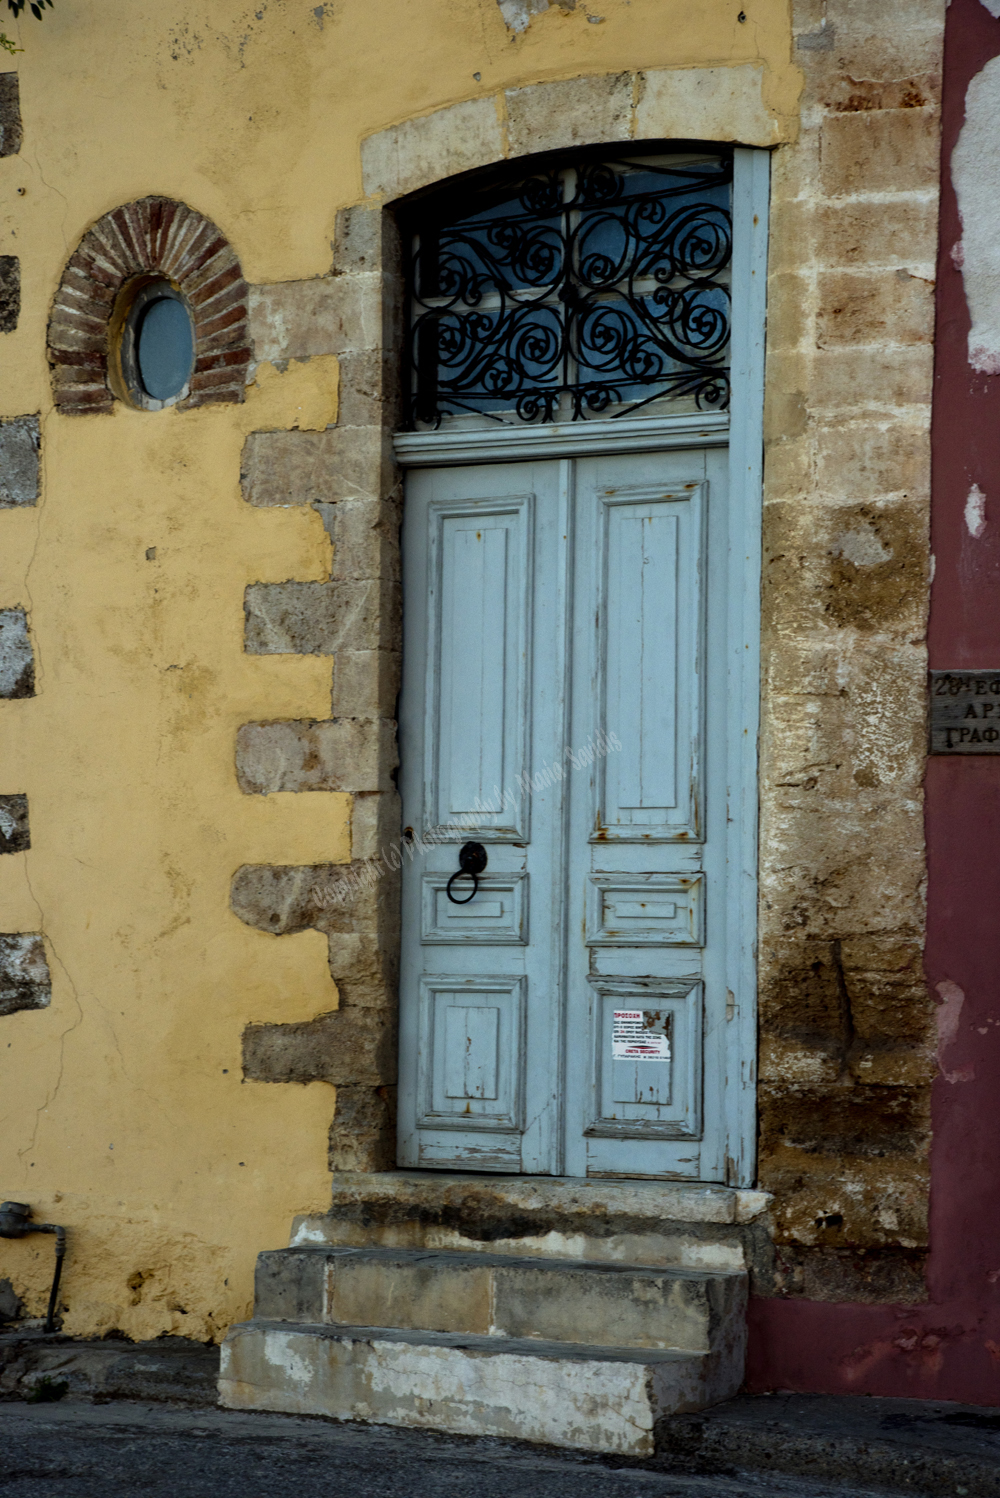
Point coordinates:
pixel 561 1393
pixel 499 1295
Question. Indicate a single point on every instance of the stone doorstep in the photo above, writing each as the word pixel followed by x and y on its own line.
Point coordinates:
pixel 499 1295
pixel 594 1398
pixel 658 1223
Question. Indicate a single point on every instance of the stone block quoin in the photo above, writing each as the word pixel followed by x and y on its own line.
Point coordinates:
pixel 19 449
pixel 10 292
pixel 347 473
pixel 353 1047
pixel 25 981
pixel 17 659
pixel 11 134
pixel 14 834
pixel 154 236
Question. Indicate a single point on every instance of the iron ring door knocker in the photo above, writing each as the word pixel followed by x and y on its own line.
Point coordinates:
pixel 471 861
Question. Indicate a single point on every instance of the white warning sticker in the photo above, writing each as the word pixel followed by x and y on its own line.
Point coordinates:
pixel 640 1035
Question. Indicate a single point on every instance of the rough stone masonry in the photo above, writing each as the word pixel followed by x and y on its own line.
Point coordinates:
pixel 348 473
pixel 845 1019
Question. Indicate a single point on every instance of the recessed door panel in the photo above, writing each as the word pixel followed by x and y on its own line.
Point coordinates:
pixel 649 660
pixel 497 916
pixel 479 710
pixel 470 1061
pixel 647 1059
pixel 639 910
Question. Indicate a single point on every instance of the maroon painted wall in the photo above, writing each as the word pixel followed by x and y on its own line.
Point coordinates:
pixel 948 1348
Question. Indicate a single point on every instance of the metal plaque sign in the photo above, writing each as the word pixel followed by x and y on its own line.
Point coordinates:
pixel 965 712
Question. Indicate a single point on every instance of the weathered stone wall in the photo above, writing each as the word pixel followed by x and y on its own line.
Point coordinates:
pixel 845 1019
pixel 347 473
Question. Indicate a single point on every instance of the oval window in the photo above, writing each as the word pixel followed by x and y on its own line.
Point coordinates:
pixel 164 345
pixel 157 346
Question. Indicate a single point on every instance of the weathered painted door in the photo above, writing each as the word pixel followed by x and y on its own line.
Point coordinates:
pixel 569 703
pixel 484 697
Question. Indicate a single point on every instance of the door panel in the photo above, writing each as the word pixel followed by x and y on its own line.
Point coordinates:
pixel 498 916
pixel 471 1059
pixel 647 824
pixel 482 709
pixel 657 1096
pixel 478 706
pixel 645 910
pixel 648 656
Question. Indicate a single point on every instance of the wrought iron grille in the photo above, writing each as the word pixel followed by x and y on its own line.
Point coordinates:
pixel 585 290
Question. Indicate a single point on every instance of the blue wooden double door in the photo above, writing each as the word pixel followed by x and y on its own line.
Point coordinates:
pixel 569 706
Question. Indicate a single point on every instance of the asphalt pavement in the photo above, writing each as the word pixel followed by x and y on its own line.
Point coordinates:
pixel 82 1450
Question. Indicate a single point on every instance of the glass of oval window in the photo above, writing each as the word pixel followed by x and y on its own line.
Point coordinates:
pixel 157 346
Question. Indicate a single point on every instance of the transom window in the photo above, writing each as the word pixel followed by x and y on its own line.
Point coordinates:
pixel 598 288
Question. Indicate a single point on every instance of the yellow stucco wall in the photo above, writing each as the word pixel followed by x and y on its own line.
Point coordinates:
pixel 122 1109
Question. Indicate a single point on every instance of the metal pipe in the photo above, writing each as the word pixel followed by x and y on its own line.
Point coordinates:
pixel 15 1222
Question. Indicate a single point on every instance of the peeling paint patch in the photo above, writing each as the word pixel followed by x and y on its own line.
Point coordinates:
pixel 280 1353
pixel 949 1014
pixel 975 509
pixel 882 710
pixel 975 171
pixel 993 6
pixel 517 14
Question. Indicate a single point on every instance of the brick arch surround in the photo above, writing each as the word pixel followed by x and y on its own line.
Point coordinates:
pixel 149 236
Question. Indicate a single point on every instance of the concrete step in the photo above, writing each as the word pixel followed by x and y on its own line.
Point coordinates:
pixel 661 1223
pixel 564 1394
pixel 499 1295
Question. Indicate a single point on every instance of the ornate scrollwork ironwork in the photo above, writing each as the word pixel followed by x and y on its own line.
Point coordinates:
pixel 580 291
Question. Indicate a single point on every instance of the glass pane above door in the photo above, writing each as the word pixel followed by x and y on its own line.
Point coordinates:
pixel 589 289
